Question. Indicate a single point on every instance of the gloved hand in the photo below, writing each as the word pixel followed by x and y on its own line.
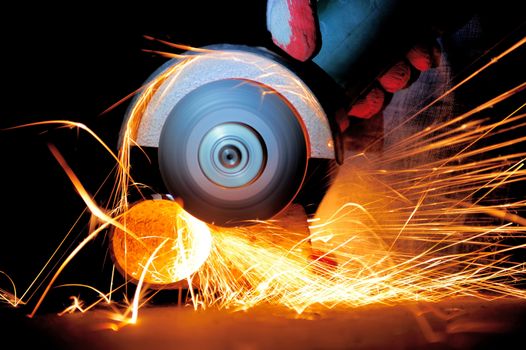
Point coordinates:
pixel 294 28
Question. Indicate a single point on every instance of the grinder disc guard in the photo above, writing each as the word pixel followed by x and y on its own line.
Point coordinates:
pixel 234 132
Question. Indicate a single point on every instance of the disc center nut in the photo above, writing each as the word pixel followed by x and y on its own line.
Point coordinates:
pixel 232 155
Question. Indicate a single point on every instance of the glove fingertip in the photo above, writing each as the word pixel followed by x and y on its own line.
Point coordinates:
pixel 293 25
pixel 420 58
pixel 369 105
pixel 396 78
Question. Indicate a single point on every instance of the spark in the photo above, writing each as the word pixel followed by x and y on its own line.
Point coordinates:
pixel 179 46
pixel 72 124
pixel 94 208
pixel 385 232
pixel 102 295
pixel 135 304
pixel 77 305
pixel 491 62
pixel 9 297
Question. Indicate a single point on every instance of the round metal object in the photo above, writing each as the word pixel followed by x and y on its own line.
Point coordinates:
pixel 232 154
pixel 184 243
pixel 234 150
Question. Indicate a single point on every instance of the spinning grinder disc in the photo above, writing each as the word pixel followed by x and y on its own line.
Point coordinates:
pixel 233 129
pixel 234 151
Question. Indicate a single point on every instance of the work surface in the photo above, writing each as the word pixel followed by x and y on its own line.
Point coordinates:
pixel 452 324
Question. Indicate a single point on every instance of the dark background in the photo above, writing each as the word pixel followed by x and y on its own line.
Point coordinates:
pixel 74 62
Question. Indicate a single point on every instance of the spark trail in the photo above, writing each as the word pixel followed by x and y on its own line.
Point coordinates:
pixel 384 233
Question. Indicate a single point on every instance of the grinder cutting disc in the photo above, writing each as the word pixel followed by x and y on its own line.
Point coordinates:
pixel 234 150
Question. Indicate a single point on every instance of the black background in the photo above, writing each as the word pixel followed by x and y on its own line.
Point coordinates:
pixel 72 62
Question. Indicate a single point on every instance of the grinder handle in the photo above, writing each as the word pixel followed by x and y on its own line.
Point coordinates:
pixel 360 39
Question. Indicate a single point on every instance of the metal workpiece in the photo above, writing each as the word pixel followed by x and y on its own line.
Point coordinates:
pixel 232 155
pixel 214 65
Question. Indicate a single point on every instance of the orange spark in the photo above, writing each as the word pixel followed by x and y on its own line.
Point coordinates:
pixel 384 233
